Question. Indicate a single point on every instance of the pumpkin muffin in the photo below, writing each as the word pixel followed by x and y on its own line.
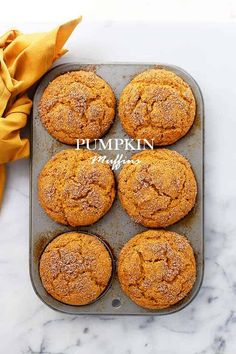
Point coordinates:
pixel 74 190
pixel 75 268
pixel 157 105
pixel 159 190
pixel 77 105
pixel 157 268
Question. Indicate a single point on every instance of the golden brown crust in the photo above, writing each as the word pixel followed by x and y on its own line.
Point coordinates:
pixel 75 268
pixel 157 268
pixel 77 105
pixel 158 191
pixel 157 104
pixel 73 190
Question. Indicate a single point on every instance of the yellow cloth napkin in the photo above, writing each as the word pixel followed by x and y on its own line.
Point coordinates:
pixel 24 58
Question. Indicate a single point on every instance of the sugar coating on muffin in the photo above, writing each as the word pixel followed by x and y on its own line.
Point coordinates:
pixel 159 190
pixel 77 105
pixel 74 191
pixel 157 268
pixel 75 268
pixel 157 105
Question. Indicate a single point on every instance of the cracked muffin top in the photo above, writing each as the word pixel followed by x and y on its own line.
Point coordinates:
pixel 77 105
pixel 75 268
pixel 157 105
pixel 75 191
pixel 159 190
pixel 157 268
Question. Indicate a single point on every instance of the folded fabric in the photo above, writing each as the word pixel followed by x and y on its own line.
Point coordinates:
pixel 24 59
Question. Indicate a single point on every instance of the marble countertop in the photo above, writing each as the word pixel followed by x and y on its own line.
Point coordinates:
pixel 208 324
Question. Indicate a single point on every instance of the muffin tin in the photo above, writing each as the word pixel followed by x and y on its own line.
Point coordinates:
pixel 116 227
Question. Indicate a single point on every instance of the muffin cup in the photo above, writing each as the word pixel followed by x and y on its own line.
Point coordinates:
pixel 113 265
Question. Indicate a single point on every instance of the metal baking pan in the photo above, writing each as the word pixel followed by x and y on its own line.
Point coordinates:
pixel 116 227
